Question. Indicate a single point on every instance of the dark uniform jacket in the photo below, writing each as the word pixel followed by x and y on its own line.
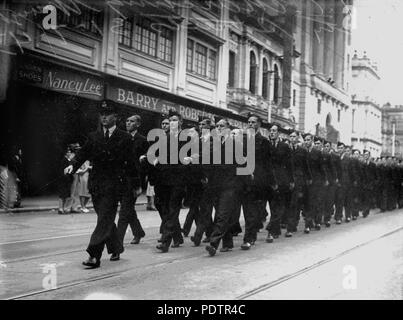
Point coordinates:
pixel 112 161
pixel 331 168
pixel 318 169
pixel 218 172
pixel 173 172
pixel 282 163
pixel 263 173
pixel 302 172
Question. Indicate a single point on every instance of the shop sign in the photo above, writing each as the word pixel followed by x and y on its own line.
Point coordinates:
pixel 146 102
pixel 59 80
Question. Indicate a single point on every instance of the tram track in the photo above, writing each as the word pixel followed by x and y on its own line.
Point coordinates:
pixel 248 294
pixel 305 270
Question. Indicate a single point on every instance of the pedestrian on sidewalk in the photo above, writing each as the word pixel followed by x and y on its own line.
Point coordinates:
pixel 65 183
pixel 82 187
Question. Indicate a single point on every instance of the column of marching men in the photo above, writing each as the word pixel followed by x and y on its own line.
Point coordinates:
pixel 300 177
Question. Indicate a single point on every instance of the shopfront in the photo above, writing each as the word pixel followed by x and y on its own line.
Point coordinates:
pixel 52 104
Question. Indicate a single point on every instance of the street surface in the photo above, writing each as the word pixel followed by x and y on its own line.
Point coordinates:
pixel 41 255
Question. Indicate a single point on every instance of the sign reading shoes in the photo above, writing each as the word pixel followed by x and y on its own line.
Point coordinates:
pixel 62 80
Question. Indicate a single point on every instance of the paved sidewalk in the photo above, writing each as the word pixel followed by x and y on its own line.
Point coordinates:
pixel 46 203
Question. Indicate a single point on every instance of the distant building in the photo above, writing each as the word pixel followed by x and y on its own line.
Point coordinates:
pixel 322 75
pixel 366 111
pixel 392 130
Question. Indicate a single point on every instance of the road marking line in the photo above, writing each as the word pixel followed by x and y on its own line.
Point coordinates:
pixel 49 238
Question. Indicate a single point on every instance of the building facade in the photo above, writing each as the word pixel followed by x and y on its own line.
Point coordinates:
pixel 211 58
pixel 392 130
pixel 322 75
pixel 366 111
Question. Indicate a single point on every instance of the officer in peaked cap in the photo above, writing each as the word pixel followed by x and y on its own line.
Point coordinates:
pixel 107 107
pixel 110 152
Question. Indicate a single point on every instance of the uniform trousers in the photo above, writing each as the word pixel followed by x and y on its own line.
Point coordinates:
pixel 315 204
pixel 344 199
pixel 204 221
pixel 225 214
pixel 279 201
pixel 128 216
pixel 105 232
pixel 252 211
pixel 329 195
pixel 196 192
pixel 297 203
pixel 169 203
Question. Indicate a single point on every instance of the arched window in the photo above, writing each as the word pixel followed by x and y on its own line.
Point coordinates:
pixel 276 84
pixel 265 84
pixel 252 73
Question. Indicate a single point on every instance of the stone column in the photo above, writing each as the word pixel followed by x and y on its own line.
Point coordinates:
pixel 244 64
pixel 318 37
pixel 288 56
pixel 223 58
pixel 179 82
pixel 339 46
pixel 329 38
pixel 110 43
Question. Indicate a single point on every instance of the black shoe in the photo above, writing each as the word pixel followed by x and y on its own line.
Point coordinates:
pixel 92 263
pixel 136 240
pixel 338 221
pixel 354 218
pixel 176 244
pixel 159 240
pixel 317 227
pixel 206 240
pixel 162 247
pixel 225 249
pixel 195 240
pixel 307 230
pixel 269 238
pixel 327 224
pixel 211 250
pixel 348 220
pixel 288 234
pixel 246 246
pixel 115 257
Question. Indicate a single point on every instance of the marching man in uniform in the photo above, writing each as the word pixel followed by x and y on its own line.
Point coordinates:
pixel 110 151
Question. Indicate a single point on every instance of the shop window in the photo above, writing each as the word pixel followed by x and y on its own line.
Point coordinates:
pixel 149 38
pixel 231 70
pixel 83 19
pixel 201 60
pixel 252 73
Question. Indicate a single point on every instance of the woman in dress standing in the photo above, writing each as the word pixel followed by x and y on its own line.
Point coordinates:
pixel 82 187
